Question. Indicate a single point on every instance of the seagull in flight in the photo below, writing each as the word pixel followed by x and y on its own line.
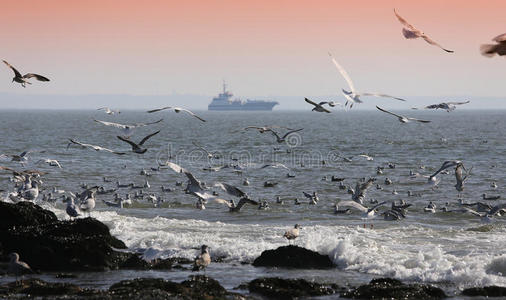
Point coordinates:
pixel 354 96
pixel 50 162
pixel 410 32
pixel 368 213
pixel 23 78
pixel 93 147
pixel 109 111
pixel 177 110
pixel 448 106
pixel 361 189
pixel 127 129
pixel 232 190
pixel 283 138
pixel 402 119
pixel 490 50
pixel 137 147
pixel 318 106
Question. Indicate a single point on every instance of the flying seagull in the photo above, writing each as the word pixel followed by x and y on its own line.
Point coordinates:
pixel 109 111
pixel 368 212
pixel 50 162
pixel 177 109
pixel 232 190
pixel 354 96
pixel 283 138
pixel 94 147
pixel 402 119
pixel 410 32
pixel 318 106
pixel 129 128
pixel 137 147
pixel 490 50
pixel 23 79
pixel 448 106
pixel 361 189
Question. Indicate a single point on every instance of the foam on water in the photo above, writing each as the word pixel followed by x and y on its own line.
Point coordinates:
pixel 408 253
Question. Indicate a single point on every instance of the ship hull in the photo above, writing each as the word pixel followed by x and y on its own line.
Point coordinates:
pixel 247 107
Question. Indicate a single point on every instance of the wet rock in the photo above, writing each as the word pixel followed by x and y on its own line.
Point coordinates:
pixel 37 287
pixel 50 245
pixel 487 291
pixel 293 257
pixel 278 288
pixel 388 288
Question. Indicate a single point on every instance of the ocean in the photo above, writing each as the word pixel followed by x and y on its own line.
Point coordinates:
pixel 449 249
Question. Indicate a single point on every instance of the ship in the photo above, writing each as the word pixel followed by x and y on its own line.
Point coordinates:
pixel 224 102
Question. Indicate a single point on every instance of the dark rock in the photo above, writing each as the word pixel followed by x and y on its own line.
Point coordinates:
pixel 135 262
pixel 293 257
pixel 278 288
pixel 486 291
pixel 37 287
pixel 48 244
pixel 388 288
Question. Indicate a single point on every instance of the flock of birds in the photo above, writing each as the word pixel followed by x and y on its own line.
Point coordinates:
pixel 28 184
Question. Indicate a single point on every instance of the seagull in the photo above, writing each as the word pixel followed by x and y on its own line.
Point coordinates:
pixel 94 147
pixel 313 198
pixel 127 129
pixel 448 106
pixel 354 96
pixel 293 233
pixel 50 162
pixel 202 260
pixel 486 217
pixel 368 213
pixel 361 189
pixel 318 106
pixel 367 157
pixel 109 111
pixel 23 79
pixel 410 32
pixel 283 138
pixel 232 190
pixel 263 129
pixel 275 165
pixel 490 50
pixel 341 211
pixel 71 209
pixel 402 119
pixel 209 154
pixel 18 267
pixel 459 176
pixel 431 207
pixel 177 110
pixel 87 199
pixel 137 147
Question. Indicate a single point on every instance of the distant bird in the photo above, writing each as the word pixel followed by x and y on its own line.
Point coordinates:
pixel 23 79
pixel 293 233
pixel 109 111
pixel 459 174
pixel 209 154
pixel 367 157
pixel 234 191
pixel 263 129
pixel 338 211
pixel 283 138
pixel 410 32
pixel 137 147
pixel 487 216
pixel 313 198
pixel 431 207
pixel 202 260
pixel 51 162
pixel 177 110
pixel 493 185
pixel 368 213
pixel 448 106
pixel 353 95
pixel 93 147
pixel 490 50
pixel 401 118
pixel 358 194
pixel 23 157
pixel 275 165
pixel 318 106
pixel 18 267
pixel 129 128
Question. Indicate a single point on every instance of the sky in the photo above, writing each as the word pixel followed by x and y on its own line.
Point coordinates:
pixel 261 48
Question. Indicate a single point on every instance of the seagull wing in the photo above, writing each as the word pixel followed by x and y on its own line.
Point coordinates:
pixel 117 125
pixel 144 124
pixel 223 201
pixel 189 112
pixel 16 72
pixel 37 76
pixel 418 120
pixel 471 211
pixel 344 74
pixel 381 95
pixel 230 189
pixel 307 195
pixel 388 112
pixel 148 137
pixel 353 204
pixel 457 103
pixel 447 164
pixel 406 24
pixel 432 42
pixel 176 168
pixel 134 145
pixel 500 38
pixel 291 131
pixel 244 201
pixel 201 148
pixel 497 208
pixel 375 206
pixel 310 102
pixel 159 109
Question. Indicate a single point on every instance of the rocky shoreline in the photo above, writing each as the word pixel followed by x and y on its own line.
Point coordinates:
pixel 48 245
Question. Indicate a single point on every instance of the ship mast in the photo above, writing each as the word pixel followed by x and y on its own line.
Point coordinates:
pixel 224 87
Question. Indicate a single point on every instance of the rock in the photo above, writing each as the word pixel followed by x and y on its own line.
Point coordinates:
pixel 486 291
pixel 37 287
pixel 201 286
pixel 50 245
pixel 293 257
pixel 388 288
pixel 278 288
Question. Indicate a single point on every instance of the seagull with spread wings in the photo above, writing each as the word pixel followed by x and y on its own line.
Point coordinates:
pixel 281 139
pixel 137 147
pixel 410 32
pixel 109 111
pixel 127 129
pixel 318 106
pixel 93 147
pixel 23 78
pixel 490 50
pixel 401 118
pixel 177 110
pixel 448 106
pixel 353 96
pixel 232 190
